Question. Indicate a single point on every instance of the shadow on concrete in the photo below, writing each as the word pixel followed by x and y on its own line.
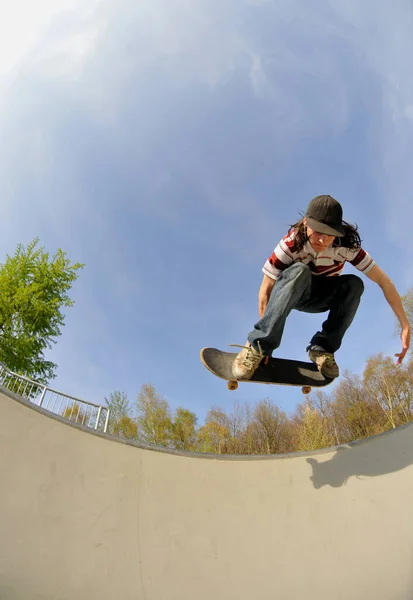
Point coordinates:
pixel 375 456
pixel 8 590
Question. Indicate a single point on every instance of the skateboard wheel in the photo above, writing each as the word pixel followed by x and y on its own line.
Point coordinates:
pixel 306 389
pixel 232 385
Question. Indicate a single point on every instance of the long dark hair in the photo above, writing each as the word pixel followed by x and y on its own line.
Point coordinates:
pixel 351 238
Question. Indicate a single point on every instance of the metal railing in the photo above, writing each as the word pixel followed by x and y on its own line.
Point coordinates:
pixel 85 413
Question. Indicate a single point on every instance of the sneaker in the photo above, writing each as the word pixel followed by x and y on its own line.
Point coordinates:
pixel 325 362
pixel 247 361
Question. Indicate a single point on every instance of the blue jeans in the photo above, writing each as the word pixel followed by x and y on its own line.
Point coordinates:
pixel 297 288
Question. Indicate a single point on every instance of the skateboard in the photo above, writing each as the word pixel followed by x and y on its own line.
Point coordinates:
pixel 278 371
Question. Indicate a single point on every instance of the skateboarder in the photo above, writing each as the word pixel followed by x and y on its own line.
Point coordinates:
pixel 303 273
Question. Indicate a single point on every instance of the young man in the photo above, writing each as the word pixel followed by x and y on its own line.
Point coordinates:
pixel 303 273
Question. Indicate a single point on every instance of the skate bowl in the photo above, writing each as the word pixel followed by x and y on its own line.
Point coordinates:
pixel 85 516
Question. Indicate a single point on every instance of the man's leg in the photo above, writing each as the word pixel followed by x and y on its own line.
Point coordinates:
pixel 341 297
pixel 292 288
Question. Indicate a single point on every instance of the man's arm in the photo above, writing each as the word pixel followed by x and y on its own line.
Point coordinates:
pixel 379 276
pixel 264 294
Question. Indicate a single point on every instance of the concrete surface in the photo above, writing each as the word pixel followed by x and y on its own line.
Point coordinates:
pixel 87 517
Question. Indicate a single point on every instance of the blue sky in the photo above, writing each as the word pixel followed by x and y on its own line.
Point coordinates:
pixel 169 146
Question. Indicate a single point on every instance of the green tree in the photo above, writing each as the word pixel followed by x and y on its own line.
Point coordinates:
pixel 126 427
pixel 238 421
pixel 33 291
pixel 354 415
pixel 269 429
pixel 391 387
pixel 311 428
pixel 184 429
pixel 212 438
pixel 154 418
pixel 120 410
pixel 73 412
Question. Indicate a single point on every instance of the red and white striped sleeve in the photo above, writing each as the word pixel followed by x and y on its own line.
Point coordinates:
pixel 360 259
pixel 281 258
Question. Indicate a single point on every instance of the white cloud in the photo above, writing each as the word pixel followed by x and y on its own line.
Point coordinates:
pixel 24 24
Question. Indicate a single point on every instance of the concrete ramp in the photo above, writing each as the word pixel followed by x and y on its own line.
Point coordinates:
pixel 87 517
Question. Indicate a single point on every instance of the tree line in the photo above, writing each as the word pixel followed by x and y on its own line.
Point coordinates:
pixel 360 406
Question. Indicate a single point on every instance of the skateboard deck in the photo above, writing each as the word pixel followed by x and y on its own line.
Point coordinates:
pixel 278 371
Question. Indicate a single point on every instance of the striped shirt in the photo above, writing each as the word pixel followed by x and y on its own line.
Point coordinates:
pixel 328 263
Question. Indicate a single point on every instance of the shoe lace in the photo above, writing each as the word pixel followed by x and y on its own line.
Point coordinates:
pixel 251 358
pixel 330 360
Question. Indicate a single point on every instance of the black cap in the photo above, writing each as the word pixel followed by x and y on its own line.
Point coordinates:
pixel 325 215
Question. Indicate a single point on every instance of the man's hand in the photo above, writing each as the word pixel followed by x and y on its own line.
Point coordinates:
pixel 405 337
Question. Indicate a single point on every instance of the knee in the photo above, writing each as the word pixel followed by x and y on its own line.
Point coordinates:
pixel 297 274
pixel 353 285
pixel 300 271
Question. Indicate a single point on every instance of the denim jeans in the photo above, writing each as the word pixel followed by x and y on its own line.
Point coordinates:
pixel 297 288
